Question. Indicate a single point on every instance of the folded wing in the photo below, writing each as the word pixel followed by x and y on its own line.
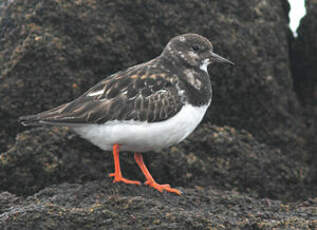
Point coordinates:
pixel 129 95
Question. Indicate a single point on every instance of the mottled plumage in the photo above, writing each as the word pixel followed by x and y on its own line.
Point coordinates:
pixel 152 92
pixel 145 107
pixel 128 95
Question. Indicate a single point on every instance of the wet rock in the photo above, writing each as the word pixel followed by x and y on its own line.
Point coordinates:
pixel 101 205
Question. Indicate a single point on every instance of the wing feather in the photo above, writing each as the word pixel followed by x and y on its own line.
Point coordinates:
pixel 129 95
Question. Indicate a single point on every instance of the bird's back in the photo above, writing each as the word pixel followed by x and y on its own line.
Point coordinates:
pixel 145 92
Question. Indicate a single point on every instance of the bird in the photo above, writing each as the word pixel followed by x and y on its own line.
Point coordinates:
pixel 146 107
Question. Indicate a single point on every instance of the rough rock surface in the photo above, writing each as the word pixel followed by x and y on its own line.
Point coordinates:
pixel 254 146
pixel 54 50
pixel 304 57
pixel 102 205
pixel 224 157
pixel 304 67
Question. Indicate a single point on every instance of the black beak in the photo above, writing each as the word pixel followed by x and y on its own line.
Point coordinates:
pixel 218 58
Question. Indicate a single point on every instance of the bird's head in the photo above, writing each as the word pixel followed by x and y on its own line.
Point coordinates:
pixel 193 50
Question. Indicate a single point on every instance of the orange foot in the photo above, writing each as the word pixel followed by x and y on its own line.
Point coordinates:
pixel 162 187
pixel 118 178
pixel 117 171
pixel 149 179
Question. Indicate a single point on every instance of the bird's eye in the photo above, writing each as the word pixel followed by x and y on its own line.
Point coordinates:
pixel 196 47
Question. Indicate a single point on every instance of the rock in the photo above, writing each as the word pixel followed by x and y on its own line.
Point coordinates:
pixel 254 145
pixel 223 157
pixel 101 205
pixel 53 51
pixel 304 68
pixel 230 159
pixel 304 57
pixel 43 156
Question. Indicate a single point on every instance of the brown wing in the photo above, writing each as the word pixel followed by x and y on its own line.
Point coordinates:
pixel 131 95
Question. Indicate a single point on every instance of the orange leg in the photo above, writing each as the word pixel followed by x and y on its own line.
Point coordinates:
pixel 149 179
pixel 117 171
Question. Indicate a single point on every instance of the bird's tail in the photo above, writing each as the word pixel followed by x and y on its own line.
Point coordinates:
pixel 53 116
pixel 30 120
pixel 40 118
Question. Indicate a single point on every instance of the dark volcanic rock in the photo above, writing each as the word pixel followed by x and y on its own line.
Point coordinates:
pixel 304 67
pixel 43 156
pixel 223 157
pixel 230 159
pixel 101 205
pixel 304 57
pixel 54 50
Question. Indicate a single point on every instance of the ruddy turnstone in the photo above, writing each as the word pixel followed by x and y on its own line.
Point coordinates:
pixel 146 107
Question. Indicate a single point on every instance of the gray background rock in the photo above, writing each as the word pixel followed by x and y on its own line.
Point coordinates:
pixel 53 52
pixel 304 59
pixel 255 145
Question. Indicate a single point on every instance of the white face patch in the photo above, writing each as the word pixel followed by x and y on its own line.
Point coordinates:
pixel 204 65
pixel 92 94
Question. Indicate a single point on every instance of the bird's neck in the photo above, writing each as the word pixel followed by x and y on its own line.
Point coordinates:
pixel 195 81
pixel 197 86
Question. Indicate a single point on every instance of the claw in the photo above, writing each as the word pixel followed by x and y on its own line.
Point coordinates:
pixel 122 179
pixel 162 187
pixel 149 179
pixel 117 172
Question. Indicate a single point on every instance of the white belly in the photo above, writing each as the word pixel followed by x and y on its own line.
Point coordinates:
pixel 140 136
